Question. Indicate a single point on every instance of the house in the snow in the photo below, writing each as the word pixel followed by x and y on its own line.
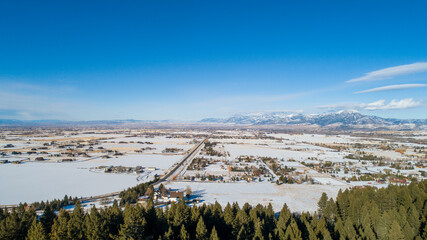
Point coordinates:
pixel 176 195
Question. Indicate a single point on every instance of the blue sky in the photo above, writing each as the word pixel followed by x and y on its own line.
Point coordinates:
pixel 187 60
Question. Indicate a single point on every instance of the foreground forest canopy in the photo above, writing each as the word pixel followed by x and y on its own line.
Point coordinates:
pixel 395 212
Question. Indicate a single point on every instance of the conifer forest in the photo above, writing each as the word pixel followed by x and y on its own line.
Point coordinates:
pixel 395 212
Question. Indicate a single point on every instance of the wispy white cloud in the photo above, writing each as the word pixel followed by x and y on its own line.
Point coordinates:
pixel 393 87
pixel 377 105
pixel 391 72
pixel 394 104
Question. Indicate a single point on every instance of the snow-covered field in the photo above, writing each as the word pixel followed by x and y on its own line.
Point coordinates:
pixel 159 143
pixel 132 160
pixel 328 181
pixel 44 181
pixel 298 197
pixel 36 181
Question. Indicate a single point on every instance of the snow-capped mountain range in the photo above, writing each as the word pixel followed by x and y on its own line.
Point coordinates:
pixel 337 118
pixel 345 119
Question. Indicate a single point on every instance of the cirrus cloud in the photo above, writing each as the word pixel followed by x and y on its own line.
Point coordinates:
pixel 391 72
pixel 393 87
pixel 377 105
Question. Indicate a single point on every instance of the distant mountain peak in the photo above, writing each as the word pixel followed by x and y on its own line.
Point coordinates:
pixel 345 118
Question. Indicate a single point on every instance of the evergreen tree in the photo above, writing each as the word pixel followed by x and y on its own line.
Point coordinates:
pixel 47 218
pixel 184 235
pixel 395 232
pixel 161 223
pixel 60 226
pixel 214 234
pixel 96 227
pixel 270 219
pixel 322 230
pixel 424 232
pixel 36 231
pixel 10 227
pixel 322 203
pixel 194 219
pixel 114 218
pixel 349 231
pixel 367 228
pixel 151 217
pixel 383 226
pixel 283 221
pixel 134 223
pixel 293 232
pixel 258 231
pixel 242 220
pixel 330 211
pixel 201 231
pixel 242 234
pixel 229 215
pixel 182 214
pixel 75 224
pixel 339 229
pixel 3 214
pixel 413 219
pixel 169 234
pixel 306 229
pixel 27 218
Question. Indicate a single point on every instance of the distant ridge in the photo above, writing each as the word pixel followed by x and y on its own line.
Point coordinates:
pixel 13 122
pixel 341 119
pixel 337 118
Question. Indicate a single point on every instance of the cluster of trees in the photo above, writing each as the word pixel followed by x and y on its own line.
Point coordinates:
pixel 397 212
pixel 208 150
pixel 203 177
pixel 291 180
pixel 198 163
pixel 55 204
pixel 365 177
pixel 367 157
pixel 172 150
pixel 398 166
pixel 244 158
pixel 132 194
pixel 285 179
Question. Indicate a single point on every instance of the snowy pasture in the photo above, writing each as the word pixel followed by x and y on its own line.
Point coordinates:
pixel 158 143
pixel 298 197
pixel 36 181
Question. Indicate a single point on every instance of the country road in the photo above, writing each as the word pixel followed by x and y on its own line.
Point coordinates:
pixel 177 167
pixel 183 163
